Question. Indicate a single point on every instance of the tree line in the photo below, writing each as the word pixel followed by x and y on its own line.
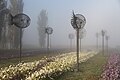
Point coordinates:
pixel 9 34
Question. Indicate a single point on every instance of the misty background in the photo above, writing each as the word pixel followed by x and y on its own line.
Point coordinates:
pixel 99 14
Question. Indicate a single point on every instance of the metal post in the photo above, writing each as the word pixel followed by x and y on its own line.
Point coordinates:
pixel 78 49
pixel 80 45
pixel 48 43
pixel 107 37
pixel 21 21
pixel 78 21
pixel 96 43
pixel 106 46
pixel 71 44
pixel 103 44
pixel 20 43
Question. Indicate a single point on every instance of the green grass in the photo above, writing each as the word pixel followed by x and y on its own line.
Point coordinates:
pixel 89 70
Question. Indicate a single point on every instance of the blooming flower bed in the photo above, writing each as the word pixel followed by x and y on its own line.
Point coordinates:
pixel 112 68
pixel 44 68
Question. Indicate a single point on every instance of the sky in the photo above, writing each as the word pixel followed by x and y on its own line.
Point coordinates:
pixel 99 14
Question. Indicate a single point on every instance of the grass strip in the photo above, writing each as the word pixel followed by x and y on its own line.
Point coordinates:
pixel 89 70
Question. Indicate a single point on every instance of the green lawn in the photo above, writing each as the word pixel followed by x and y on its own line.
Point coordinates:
pixel 89 70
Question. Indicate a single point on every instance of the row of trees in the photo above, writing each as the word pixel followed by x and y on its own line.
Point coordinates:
pixel 9 34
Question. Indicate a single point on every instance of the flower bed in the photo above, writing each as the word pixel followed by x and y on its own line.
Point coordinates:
pixel 44 68
pixel 112 68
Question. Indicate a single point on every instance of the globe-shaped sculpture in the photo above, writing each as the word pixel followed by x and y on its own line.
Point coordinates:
pixel 49 30
pixel 71 36
pixel 21 20
pixel 78 21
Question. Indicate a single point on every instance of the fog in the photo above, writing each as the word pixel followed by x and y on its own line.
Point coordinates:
pixel 99 14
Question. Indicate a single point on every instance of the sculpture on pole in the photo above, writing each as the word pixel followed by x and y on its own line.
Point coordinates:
pixel 78 21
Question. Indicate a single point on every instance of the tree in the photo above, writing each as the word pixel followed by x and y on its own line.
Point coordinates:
pixel 16 7
pixel 42 24
pixel 3 5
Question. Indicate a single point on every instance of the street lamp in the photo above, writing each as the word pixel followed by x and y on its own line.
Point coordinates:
pixel 78 21
pixel 71 37
pixel 49 31
pixel 103 35
pixel 21 21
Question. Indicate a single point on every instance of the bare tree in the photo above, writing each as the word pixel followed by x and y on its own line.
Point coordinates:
pixel 42 24
pixel 16 7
